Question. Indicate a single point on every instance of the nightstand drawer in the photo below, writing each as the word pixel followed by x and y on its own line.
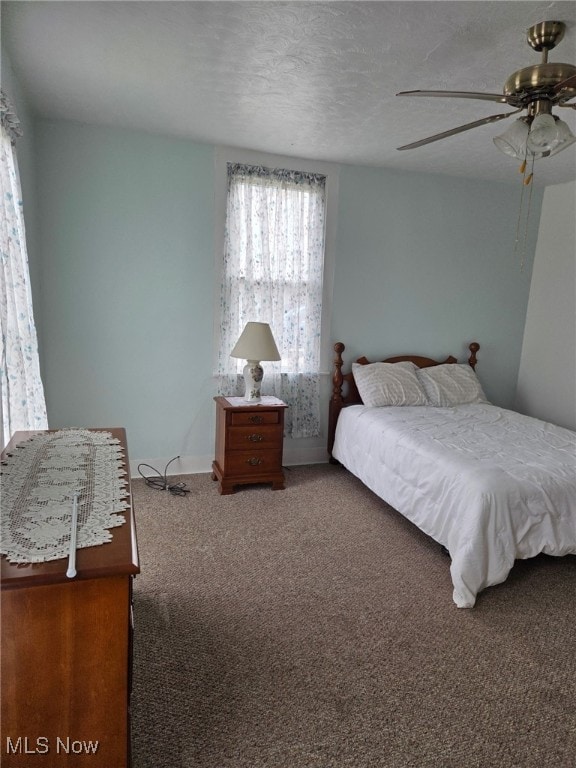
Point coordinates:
pixel 253 462
pixel 254 437
pixel 239 418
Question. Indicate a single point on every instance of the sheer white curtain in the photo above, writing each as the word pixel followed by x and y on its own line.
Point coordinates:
pixel 272 272
pixel 22 403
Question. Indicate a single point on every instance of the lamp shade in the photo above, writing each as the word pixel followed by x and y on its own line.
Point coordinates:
pixel 543 136
pixel 256 342
pixel 513 141
pixel 565 137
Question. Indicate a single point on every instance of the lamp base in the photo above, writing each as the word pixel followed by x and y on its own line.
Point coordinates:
pixel 253 374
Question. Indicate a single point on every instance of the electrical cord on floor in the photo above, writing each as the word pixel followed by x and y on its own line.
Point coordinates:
pixel 160 483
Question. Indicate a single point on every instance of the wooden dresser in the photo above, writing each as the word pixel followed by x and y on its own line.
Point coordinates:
pixel 67 654
pixel 249 442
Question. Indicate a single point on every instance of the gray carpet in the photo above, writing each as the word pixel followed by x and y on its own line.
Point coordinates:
pixel 314 628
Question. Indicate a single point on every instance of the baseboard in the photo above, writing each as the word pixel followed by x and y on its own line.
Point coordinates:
pixel 183 465
pixel 194 465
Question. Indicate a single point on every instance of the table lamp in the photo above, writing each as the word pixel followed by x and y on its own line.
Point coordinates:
pixel 256 343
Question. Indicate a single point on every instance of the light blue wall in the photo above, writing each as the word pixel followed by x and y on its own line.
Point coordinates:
pixel 425 264
pixel 126 229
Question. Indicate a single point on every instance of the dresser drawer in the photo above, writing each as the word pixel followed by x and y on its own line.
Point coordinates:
pixel 238 418
pixel 253 462
pixel 254 437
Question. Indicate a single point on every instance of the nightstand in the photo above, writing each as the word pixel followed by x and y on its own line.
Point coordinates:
pixel 249 441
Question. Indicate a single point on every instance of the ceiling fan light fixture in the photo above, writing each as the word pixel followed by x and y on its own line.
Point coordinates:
pixel 513 141
pixel 565 137
pixel 544 135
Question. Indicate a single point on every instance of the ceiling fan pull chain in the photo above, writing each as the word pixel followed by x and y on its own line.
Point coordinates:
pixel 519 220
pixel 527 182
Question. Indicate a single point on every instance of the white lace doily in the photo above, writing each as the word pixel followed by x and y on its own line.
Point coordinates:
pixel 38 483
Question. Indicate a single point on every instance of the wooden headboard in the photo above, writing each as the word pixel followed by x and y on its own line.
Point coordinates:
pixel 345 392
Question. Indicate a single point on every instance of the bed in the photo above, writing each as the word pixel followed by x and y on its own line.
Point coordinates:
pixel 488 484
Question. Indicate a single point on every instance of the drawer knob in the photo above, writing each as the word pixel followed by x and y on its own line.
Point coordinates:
pixel 255 438
pixel 254 461
pixel 256 419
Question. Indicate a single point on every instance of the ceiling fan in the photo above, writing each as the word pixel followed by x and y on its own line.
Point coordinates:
pixel 535 89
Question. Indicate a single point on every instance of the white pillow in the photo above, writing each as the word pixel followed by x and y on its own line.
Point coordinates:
pixel 382 384
pixel 451 384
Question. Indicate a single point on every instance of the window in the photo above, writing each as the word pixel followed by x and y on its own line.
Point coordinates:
pixel 272 271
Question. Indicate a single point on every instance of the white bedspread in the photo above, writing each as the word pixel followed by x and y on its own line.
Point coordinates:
pixel 489 484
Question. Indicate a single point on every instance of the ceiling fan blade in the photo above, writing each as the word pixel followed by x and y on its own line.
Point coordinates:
pixel 570 82
pixel 460 129
pixel 498 97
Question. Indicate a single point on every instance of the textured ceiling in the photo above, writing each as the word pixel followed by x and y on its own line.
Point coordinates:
pixel 306 79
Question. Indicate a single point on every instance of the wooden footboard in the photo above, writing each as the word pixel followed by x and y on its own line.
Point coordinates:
pixel 345 392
